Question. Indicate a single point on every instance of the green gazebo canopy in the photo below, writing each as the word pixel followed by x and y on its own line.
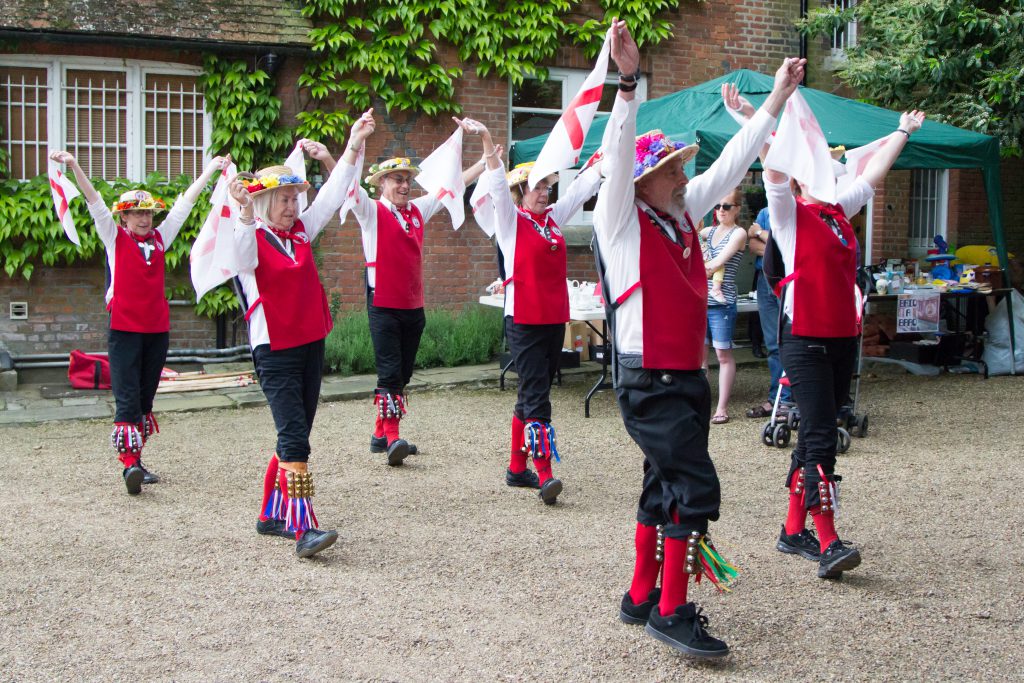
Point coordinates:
pixel 697 114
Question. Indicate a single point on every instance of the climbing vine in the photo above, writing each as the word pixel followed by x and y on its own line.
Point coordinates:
pixel 389 48
pixel 244 113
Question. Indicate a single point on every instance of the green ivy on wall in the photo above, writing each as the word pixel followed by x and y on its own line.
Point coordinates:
pixel 389 48
pixel 30 232
pixel 244 113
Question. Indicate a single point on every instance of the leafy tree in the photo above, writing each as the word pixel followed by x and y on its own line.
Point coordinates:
pixel 960 61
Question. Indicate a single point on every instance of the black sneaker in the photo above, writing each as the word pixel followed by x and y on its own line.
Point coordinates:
pixel 147 476
pixel 838 557
pixel 630 613
pixel 133 477
pixel 313 541
pixel 379 444
pixel 525 479
pixel 397 452
pixel 274 527
pixel 686 630
pixel 549 491
pixel 805 544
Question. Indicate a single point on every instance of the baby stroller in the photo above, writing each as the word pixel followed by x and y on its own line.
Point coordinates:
pixel 782 424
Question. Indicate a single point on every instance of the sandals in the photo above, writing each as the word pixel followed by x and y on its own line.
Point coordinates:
pixel 719 419
pixel 759 411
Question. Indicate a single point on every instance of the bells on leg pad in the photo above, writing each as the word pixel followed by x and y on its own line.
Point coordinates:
pixel 148 427
pixel 390 409
pixel 540 443
pixel 297 492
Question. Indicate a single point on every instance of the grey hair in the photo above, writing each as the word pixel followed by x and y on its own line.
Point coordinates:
pixel 261 206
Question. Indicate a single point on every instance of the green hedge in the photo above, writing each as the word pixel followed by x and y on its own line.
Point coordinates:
pixel 467 337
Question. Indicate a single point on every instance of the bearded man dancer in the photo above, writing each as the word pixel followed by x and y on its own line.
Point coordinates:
pixel 657 305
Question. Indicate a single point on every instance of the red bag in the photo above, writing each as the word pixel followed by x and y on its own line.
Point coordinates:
pixel 87 371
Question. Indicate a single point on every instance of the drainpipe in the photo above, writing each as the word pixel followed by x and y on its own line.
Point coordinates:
pixel 803 38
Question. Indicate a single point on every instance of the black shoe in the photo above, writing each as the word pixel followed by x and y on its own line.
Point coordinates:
pixel 805 544
pixel 147 476
pixel 686 630
pixel 549 491
pixel 274 527
pixel 630 613
pixel 397 452
pixel 379 444
pixel 526 479
pixel 133 477
pixel 313 541
pixel 758 351
pixel 838 557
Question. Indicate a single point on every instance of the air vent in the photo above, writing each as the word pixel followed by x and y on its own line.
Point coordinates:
pixel 19 310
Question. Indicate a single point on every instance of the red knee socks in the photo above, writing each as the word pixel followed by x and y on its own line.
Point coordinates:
pixel 129 459
pixel 268 486
pixel 517 459
pixel 645 573
pixel 674 579
pixel 378 428
pixel 797 515
pixel 825 525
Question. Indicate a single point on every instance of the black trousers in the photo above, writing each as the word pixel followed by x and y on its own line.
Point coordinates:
pixel 290 379
pixel 537 350
pixel 670 421
pixel 396 336
pixel 136 359
pixel 820 371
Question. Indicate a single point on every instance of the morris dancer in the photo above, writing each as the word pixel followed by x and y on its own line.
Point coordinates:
pixel 288 316
pixel 536 300
pixel 819 341
pixel 392 232
pixel 140 325
pixel 656 290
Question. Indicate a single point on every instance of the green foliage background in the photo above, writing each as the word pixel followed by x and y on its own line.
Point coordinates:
pixel 961 61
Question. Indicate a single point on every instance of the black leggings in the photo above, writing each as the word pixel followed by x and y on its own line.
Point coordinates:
pixel 537 350
pixel 820 371
pixel 290 379
pixel 396 334
pixel 136 359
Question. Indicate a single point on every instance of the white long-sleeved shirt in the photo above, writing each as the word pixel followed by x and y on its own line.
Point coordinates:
pixel 314 218
pixel 581 189
pixel 107 229
pixel 365 212
pixel 615 218
pixel 782 213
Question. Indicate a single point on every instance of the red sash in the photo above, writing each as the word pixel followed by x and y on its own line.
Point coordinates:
pixel 538 272
pixel 139 303
pixel 826 273
pixel 294 302
pixel 399 275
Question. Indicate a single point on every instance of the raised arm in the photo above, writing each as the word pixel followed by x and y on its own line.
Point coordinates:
pixel 84 184
pixel 739 153
pixel 176 217
pixel 615 199
pixel 245 230
pixel 332 195
pixel 876 169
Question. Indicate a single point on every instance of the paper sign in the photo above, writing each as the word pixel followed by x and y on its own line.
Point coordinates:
pixel 917 312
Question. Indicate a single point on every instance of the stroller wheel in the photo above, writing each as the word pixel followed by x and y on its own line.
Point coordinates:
pixel 766 435
pixel 792 419
pixel 781 435
pixel 843 441
pixel 863 426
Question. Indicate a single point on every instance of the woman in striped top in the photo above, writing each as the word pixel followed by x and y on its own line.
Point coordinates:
pixel 726 241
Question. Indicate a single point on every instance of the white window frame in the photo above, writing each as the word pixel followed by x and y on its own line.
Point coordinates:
pixel 135 72
pixel 572 80
pixel 919 246
pixel 848 36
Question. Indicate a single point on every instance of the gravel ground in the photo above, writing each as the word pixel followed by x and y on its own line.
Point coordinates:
pixel 444 573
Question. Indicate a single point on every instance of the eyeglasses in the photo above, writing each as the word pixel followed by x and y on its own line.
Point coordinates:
pixel 725 207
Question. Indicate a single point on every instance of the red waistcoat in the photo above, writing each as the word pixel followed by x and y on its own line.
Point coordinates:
pixel 399 275
pixel 294 302
pixel 825 271
pixel 673 284
pixel 139 303
pixel 538 272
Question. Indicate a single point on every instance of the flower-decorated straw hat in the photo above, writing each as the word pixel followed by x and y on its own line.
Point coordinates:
pixel 272 178
pixel 137 200
pixel 521 174
pixel 654 150
pixel 393 165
